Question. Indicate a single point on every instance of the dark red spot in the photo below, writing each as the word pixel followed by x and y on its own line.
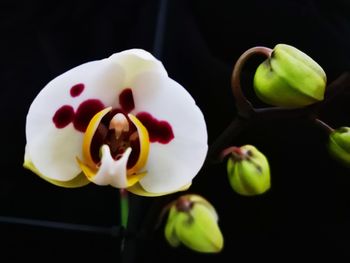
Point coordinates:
pixel 159 131
pixel 97 141
pixel 126 100
pixel 77 89
pixel 135 153
pixel 86 110
pixel 63 116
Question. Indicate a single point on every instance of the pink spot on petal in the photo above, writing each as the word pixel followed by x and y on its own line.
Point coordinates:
pixel 63 116
pixel 77 89
pixel 159 131
pixel 126 100
pixel 86 110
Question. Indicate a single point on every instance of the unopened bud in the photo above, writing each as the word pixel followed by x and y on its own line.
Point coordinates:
pixel 339 145
pixel 192 221
pixel 289 78
pixel 248 171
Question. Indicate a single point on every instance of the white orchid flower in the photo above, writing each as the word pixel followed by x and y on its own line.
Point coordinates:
pixel 119 121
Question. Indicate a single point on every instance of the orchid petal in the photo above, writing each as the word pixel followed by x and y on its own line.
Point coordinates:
pixel 77 181
pixel 53 155
pixel 173 165
pixel 137 189
pixel 137 61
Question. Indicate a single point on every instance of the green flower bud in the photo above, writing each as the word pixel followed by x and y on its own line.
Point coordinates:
pixel 192 221
pixel 289 78
pixel 339 145
pixel 248 171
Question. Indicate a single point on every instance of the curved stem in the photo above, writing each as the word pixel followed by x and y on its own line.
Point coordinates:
pixel 338 86
pixel 163 213
pixel 324 126
pixel 243 105
pixel 225 139
pixel 228 151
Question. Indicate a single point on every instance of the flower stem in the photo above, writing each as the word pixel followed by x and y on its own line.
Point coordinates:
pixel 324 126
pixel 124 208
pixel 245 109
pixel 124 215
pixel 225 139
pixel 243 105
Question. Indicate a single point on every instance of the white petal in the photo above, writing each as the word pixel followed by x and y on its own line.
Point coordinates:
pixel 112 172
pixel 49 147
pixel 173 165
pixel 137 61
pixel 57 163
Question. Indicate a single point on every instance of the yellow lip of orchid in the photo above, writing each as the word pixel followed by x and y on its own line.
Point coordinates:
pixel 144 145
pixel 89 134
pixel 134 173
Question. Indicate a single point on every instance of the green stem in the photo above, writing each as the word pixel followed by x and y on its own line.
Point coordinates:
pixel 124 208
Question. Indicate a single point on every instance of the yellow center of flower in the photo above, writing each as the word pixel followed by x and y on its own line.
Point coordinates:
pixel 127 143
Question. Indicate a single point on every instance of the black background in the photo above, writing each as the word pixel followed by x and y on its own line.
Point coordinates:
pixel 305 215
